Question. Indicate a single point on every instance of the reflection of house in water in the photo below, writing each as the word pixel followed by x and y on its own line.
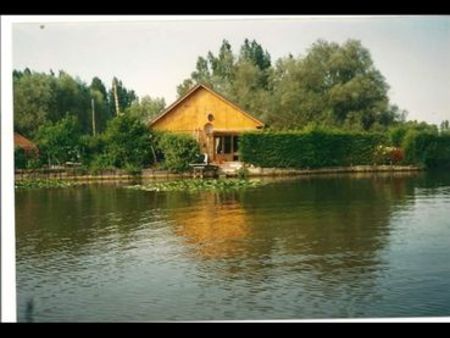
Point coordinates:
pixel 216 225
pixel 331 229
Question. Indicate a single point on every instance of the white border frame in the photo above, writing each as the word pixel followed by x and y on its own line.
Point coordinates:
pixel 8 239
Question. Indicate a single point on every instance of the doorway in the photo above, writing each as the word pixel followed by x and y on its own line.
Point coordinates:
pixel 226 148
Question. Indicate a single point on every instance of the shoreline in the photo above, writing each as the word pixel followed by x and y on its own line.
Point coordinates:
pixel 252 172
pixel 333 170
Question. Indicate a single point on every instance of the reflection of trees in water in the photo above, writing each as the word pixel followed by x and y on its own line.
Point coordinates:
pixel 432 181
pixel 332 227
pixel 308 235
pixel 69 219
pixel 324 224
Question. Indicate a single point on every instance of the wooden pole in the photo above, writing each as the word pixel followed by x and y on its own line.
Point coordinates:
pixel 116 99
pixel 93 116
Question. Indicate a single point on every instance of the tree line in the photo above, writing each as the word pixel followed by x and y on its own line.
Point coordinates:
pixel 41 99
pixel 332 86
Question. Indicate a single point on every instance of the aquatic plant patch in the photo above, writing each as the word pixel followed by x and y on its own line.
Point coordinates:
pixel 43 184
pixel 193 185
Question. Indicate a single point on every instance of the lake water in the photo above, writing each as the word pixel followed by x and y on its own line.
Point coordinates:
pixel 313 247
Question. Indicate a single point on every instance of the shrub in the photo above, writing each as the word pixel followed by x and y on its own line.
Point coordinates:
pixel 20 159
pixel 127 141
pixel 82 170
pixel 59 142
pixel 396 135
pixel 396 155
pixel 243 173
pixel 427 148
pixel 100 163
pixel 91 146
pixel 26 159
pixel 388 155
pixel 177 151
pixel 132 169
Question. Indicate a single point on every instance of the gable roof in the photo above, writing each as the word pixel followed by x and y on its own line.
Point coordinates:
pixel 216 94
pixel 23 142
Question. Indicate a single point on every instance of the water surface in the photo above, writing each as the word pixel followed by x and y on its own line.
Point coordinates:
pixel 313 247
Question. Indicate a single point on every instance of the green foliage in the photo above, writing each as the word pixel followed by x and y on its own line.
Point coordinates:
pixel 438 151
pixel 91 147
pixel 313 148
pixel 26 160
pixel 178 150
pixel 409 146
pixel 388 155
pixel 125 97
pixel 20 159
pixel 43 184
pixel 34 100
pixel 146 108
pixel 72 97
pixel 60 142
pixel 132 169
pixel 334 85
pixel 195 185
pixel 427 148
pixel 254 53
pixel 40 98
pixel 102 109
pixel 101 163
pixel 397 134
pixel 243 173
pixel 126 141
pixel 242 78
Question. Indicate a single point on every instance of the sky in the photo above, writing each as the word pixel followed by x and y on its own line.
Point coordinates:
pixel 152 56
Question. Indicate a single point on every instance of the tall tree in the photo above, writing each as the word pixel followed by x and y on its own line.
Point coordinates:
pixel 247 89
pixel 333 84
pixel 445 126
pixel 243 78
pixel 34 100
pixel 254 53
pixel 184 87
pixel 125 97
pixel 146 108
pixel 214 71
pixel 101 105
pixel 72 98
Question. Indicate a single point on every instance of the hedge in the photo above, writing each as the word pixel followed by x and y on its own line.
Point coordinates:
pixel 309 149
pixel 425 148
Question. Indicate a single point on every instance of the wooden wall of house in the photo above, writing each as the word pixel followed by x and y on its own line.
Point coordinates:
pixel 192 114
